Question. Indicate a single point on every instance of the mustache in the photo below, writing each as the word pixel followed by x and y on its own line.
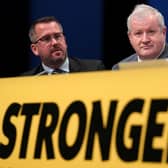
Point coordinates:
pixel 56 48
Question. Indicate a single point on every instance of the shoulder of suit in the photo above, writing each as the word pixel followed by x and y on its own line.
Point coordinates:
pixel 32 71
pixel 130 58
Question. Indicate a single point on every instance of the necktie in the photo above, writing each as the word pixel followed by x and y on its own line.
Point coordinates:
pixel 58 71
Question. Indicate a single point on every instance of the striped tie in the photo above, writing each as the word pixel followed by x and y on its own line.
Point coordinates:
pixel 58 71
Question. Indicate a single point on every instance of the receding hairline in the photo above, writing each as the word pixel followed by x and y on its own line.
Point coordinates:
pixel 46 19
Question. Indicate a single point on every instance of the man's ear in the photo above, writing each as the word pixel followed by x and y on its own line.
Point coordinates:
pixel 34 49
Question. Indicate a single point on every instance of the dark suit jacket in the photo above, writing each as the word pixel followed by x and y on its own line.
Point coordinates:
pixel 76 65
pixel 134 58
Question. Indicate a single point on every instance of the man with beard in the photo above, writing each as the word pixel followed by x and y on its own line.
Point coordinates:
pixel 49 43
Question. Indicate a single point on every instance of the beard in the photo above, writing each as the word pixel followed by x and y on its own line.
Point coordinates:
pixel 56 59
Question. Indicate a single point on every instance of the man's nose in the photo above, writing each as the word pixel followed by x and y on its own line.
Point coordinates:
pixel 145 37
pixel 54 40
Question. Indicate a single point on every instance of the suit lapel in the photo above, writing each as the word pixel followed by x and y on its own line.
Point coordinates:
pixel 74 65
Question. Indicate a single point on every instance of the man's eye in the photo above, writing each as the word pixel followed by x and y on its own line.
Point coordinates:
pixel 57 36
pixel 151 32
pixel 46 38
pixel 138 33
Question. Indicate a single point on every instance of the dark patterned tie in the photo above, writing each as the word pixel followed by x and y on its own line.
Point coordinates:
pixel 56 71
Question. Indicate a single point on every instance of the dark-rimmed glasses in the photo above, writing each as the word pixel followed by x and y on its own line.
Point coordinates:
pixel 48 38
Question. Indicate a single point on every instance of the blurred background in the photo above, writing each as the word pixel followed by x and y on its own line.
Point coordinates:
pixel 93 28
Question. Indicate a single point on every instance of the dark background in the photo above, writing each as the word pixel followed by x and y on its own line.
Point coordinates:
pixel 94 29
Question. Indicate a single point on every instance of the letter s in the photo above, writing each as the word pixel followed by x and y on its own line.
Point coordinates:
pixel 9 130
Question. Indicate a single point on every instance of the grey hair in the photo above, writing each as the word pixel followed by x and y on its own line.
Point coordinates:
pixel 143 10
pixel 46 19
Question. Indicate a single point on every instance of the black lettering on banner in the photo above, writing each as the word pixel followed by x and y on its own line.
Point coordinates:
pixel 9 130
pixel 125 153
pixel 45 132
pixel 154 129
pixel 28 110
pixel 69 152
pixel 104 133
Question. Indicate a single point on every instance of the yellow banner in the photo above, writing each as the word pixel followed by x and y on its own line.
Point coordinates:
pixel 108 119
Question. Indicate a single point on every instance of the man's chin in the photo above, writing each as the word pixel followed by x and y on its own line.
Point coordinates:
pixel 147 57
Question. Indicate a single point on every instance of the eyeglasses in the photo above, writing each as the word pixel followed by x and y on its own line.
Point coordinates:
pixel 48 38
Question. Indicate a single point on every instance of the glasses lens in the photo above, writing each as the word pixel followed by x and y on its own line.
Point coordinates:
pixel 47 38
